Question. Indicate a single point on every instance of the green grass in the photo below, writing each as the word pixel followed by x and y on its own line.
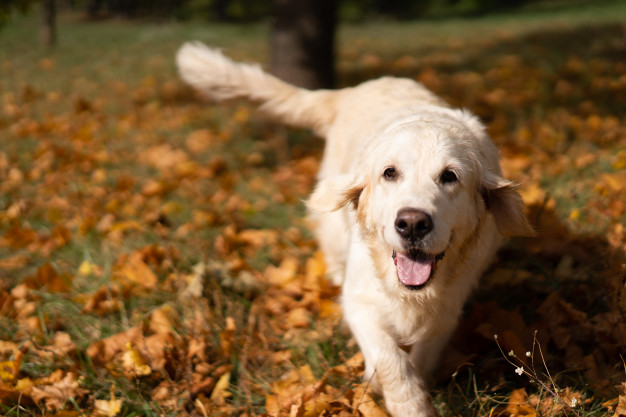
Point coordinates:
pixel 77 121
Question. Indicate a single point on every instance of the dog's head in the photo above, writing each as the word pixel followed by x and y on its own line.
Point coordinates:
pixel 425 187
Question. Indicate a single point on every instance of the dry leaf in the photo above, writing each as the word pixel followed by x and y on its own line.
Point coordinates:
pixel 220 391
pixel 163 320
pixel 104 301
pixel 108 408
pixel 103 351
pixel 283 274
pixel 227 337
pixel 133 271
pixel 56 394
pixel 518 404
pixel 133 362
pixel 299 317
pixel 363 402
pixel 10 369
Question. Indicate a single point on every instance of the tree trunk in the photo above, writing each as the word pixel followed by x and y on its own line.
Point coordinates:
pixel 302 42
pixel 220 8
pixel 48 24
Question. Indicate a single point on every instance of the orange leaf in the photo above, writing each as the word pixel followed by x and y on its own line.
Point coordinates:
pixel 299 317
pixel 102 351
pixel 58 393
pixel 283 274
pixel 47 276
pixel 364 403
pixel 135 271
pixel 518 404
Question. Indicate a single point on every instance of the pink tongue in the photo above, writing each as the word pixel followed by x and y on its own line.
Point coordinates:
pixel 411 272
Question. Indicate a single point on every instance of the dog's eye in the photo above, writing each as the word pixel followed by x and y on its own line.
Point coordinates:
pixel 390 174
pixel 448 177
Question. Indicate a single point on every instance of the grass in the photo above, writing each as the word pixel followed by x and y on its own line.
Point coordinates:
pixel 78 124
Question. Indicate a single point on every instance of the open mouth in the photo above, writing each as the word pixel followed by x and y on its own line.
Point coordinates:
pixel 416 268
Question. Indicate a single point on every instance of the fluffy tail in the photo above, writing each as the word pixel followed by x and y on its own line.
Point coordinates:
pixel 219 78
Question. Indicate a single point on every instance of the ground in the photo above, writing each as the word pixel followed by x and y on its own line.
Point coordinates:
pixel 155 257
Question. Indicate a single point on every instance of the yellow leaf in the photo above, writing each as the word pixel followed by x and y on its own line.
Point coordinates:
pixel 7 370
pixel 86 268
pixel 108 408
pixel 220 392
pixel 620 162
pixel 10 369
pixel 133 362
pixel 24 385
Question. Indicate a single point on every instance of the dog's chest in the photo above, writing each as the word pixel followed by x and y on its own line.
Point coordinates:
pixel 408 323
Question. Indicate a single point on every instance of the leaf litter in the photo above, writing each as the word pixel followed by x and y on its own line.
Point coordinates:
pixel 147 260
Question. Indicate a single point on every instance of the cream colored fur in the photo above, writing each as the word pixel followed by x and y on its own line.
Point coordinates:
pixel 380 124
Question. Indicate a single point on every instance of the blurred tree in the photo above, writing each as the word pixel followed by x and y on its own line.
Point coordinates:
pixel 7 7
pixel 302 42
pixel 49 22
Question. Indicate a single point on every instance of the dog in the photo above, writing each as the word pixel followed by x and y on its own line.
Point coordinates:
pixel 409 209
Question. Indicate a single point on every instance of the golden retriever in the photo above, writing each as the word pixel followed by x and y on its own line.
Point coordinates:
pixel 409 209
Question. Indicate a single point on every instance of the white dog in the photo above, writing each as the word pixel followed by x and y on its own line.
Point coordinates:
pixel 409 209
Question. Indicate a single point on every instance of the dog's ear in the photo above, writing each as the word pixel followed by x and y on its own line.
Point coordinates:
pixel 334 193
pixel 505 203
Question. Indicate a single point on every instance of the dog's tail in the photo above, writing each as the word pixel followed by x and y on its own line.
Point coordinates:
pixel 219 78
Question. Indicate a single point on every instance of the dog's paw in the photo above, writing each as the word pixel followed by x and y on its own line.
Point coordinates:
pixel 410 399
pixel 411 408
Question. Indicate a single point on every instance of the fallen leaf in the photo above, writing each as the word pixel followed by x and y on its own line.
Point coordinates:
pixel 133 362
pixel 55 395
pixel 299 317
pixel 108 408
pixel 283 274
pixel 133 271
pixel 366 406
pixel 220 391
pixel 103 351
pixel 163 320
pixel 518 404
pixel 227 337
pixel 104 301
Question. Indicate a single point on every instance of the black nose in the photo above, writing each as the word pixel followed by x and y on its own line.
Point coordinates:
pixel 413 224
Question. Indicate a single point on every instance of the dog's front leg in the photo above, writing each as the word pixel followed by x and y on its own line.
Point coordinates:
pixel 388 369
pixel 425 353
